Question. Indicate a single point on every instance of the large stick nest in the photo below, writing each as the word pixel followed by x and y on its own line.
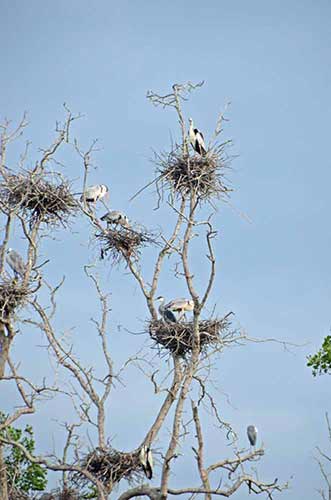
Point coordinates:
pixel 122 243
pixel 42 196
pixel 12 296
pixel 110 466
pixel 178 337
pixel 204 175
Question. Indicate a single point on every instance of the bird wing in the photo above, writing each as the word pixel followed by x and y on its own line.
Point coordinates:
pixel 169 316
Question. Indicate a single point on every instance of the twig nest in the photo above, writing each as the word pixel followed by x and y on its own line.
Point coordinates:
pixel 121 242
pixel 42 196
pixel 178 337
pixel 203 175
pixel 110 466
pixel 16 494
pixel 62 494
pixel 12 296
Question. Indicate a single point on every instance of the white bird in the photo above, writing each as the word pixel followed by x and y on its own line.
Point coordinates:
pixel 180 306
pixel 146 460
pixel 196 139
pixel 116 217
pixel 15 262
pixel 94 193
pixel 166 314
pixel 252 434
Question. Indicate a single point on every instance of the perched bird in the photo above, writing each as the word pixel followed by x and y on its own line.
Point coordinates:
pixel 15 262
pixel 252 434
pixel 196 139
pixel 94 193
pixel 146 460
pixel 115 217
pixel 180 306
pixel 166 314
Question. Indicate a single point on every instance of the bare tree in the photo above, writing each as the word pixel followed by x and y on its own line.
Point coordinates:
pixel 39 200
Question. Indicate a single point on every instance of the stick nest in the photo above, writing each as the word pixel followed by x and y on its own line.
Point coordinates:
pixel 62 494
pixel 43 196
pixel 178 337
pixel 12 296
pixel 123 243
pixel 205 175
pixel 110 466
pixel 16 494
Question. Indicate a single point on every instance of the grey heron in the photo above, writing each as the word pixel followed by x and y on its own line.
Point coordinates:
pixel 146 460
pixel 115 217
pixel 196 139
pixel 15 262
pixel 166 314
pixel 180 306
pixel 252 434
pixel 94 193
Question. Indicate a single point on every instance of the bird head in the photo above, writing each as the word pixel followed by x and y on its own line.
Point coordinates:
pixel 9 250
pixel 160 298
pixel 104 191
pixel 190 121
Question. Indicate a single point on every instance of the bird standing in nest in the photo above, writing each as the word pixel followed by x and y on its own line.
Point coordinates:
pixel 166 314
pixel 180 306
pixel 146 460
pixel 115 217
pixel 196 139
pixel 93 194
pixel 16 263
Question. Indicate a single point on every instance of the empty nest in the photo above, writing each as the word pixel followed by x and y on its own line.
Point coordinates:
pixel 62 494
pixel 123 243
pixel 203 175
pixel 110 466
pixel 178 337
pixel 12 296
pixel 43 196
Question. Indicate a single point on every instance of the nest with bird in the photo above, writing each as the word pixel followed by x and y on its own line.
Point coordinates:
pixel 12 296
pixel 109 466
pixel 178 338
pixel 181 173
pixel 38 196
pixel 123 243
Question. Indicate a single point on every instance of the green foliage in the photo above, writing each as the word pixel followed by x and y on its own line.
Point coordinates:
pixel 321 361
pixel 22 474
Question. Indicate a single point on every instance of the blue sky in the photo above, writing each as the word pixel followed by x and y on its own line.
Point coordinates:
pixel 272 61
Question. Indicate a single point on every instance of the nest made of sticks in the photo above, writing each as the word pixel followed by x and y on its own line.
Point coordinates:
pixel 120 243
pixel 110 466
pixel 12 296
pixel 178 337
pixel 46 197
pixel 62 494
pixel 185 173
pixel 16 494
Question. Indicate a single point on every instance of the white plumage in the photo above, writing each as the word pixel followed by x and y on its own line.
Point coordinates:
pixel 15 262
pixel 94 193
pixel 196 139
pixel 115 217
pixel 146 460
pixel 180 306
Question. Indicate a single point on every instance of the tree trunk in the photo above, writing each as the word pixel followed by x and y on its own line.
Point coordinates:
pixel 4 349
pixel 3 477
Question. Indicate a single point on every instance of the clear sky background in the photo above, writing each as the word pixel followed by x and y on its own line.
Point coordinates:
pixel 272 61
